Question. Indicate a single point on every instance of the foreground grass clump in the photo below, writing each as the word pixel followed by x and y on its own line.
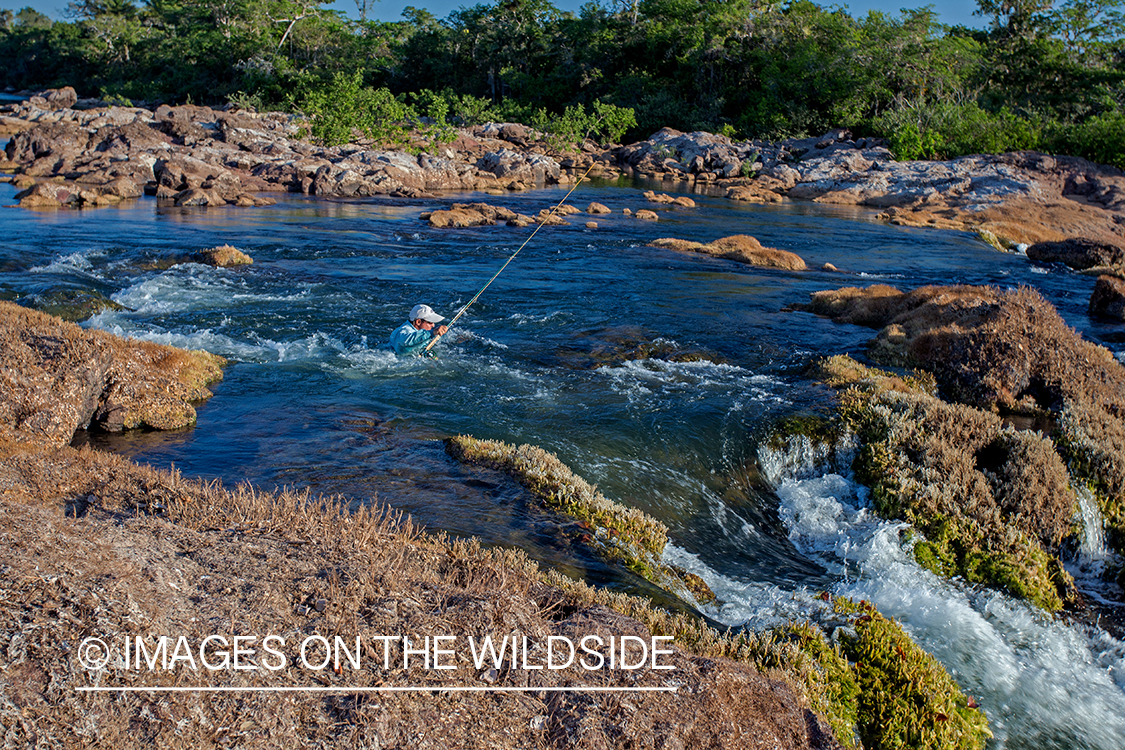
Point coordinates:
pixel 624 534
pixel 993 504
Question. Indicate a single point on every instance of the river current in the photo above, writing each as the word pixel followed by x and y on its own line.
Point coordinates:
pixel 547 356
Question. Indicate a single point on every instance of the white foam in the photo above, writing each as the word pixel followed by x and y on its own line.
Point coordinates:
pixel 1043 683
pixel 73 263
pixel 191 286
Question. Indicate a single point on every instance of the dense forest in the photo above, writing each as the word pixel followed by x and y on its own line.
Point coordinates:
pixel 1040 74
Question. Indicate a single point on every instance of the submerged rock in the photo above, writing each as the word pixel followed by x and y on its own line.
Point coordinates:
pixel 1078 253
pixel 74 304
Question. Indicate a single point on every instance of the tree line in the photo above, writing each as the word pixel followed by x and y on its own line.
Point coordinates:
pixel 1040 74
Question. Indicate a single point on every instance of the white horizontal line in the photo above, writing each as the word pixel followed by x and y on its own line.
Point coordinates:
pixel 322 689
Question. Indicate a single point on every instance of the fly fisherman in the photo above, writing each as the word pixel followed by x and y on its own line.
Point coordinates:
pixel 411 338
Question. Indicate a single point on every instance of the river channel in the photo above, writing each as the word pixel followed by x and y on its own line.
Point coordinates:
pixel 310 400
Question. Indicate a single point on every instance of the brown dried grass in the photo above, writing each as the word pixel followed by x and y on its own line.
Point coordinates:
pixel 242 562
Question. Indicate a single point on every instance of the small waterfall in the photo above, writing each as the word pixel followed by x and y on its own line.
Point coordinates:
pixel 1092 552
pixel 799 457
pixel 1044 683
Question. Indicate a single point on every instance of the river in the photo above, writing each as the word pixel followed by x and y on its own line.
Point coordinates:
pixel 311 401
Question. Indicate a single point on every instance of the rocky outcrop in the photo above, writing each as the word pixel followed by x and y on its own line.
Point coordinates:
pixel 1019 198
pixel 1008 351
pixel 198 156
pixel 485 214
pixel 57 378
pixel 1108 299
pixel 1079 253
pixel 741 248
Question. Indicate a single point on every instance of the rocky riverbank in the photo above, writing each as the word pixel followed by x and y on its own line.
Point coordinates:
pixel 99 547
pixel 70 152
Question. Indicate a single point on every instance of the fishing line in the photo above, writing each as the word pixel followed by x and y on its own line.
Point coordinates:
pixel 542 223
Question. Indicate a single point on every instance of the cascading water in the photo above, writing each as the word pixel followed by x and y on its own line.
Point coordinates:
pixel 1042 683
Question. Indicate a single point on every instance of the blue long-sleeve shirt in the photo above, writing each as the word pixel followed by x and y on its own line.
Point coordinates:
pixel 407 340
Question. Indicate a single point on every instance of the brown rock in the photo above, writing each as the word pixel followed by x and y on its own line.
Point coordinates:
pixel 752 194
pixel 829 267
pixel 197 197
pixel 740 247
pixel 647 215
pixel 459 217
pixel 683 201
pixel 1108 299
pixel 1077 253
pixel 652 197
pixel 63 98
pixel 591 225
pixel 597 208
pixel 223 256
pixel 49 194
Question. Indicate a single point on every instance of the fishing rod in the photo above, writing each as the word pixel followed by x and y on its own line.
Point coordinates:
pixel 545 219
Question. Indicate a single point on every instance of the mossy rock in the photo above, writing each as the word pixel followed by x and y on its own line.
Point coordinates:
pixel 906 697
pixel 624 535
pixel 74 304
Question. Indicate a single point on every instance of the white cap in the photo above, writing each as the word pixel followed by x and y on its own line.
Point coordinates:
pixel 426 313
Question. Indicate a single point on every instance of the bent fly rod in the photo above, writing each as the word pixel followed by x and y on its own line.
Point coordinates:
pixel 545 219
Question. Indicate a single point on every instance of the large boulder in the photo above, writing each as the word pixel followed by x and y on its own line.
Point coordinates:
pixel 1078 253
pixel 63 98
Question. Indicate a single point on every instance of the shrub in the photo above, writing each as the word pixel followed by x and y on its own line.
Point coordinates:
pixel 343 107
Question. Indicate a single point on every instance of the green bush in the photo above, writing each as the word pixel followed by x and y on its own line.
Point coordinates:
pixel 935 130
pixel 343 107
pixel 1100 139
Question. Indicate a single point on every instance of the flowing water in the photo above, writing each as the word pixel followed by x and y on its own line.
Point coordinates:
pixel 311 401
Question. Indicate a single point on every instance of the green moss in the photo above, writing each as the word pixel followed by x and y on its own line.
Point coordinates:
pixel 925 462
pixel 624 535
pixel 906 697
pixel 819 430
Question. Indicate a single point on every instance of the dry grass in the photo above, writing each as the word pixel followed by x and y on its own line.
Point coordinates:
pixel 248 563
pixel 741 248
pixel 56 377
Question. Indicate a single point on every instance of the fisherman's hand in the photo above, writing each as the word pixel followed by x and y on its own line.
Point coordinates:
pixel 441 330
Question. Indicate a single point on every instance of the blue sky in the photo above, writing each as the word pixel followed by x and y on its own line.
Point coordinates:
pixel 951 12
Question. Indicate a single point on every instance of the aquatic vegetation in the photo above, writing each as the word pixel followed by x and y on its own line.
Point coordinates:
pixel 991 503
pixel 906 697
pixel 626 535
pixel 1007 352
